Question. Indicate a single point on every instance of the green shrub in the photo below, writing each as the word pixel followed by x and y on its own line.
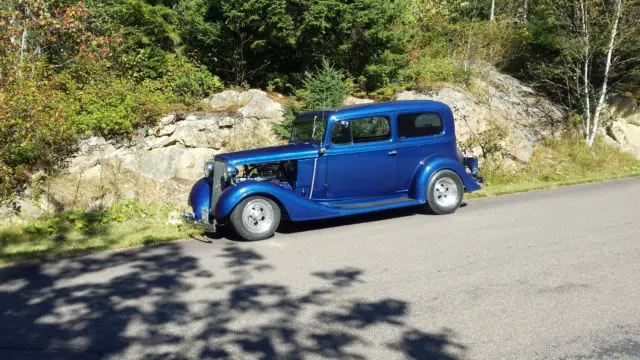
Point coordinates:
pixel 289 113
pixel 7 182
pixel 490 140
pixel 327 87
pixel 387 93
pixel 90 221
pixel 189 82
pixel 384 73
pixel 127 210
pixel 110 109
pixel 429 71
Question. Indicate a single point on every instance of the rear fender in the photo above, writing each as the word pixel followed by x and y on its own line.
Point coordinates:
pixel 430 166
pixel 297 207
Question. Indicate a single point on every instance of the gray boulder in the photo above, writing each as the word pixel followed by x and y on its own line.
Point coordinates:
pixel 178 146
pixel 352 100
pixel 27 210
pixel 501 99
pixel 174 161
pixel 223 99
pixel 262 107
pixel 622 125
pixel 251 104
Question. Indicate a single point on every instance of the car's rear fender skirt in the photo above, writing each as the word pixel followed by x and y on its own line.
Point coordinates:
pixel 297 207
pixel 430 166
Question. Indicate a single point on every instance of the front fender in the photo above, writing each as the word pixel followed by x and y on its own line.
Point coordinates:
pixel 297 207
pixel 428 167
pixel 200 199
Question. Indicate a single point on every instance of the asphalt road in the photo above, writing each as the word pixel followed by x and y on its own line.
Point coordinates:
pixel 543 275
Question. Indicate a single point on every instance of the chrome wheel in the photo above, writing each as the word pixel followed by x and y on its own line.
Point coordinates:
pixel 445 192
pixel 258 216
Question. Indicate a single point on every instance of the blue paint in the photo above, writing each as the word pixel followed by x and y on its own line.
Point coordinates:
pixel 272 154
pixel 433 164
pixel 200 198
pixel 298 208
pixel 350 174
pixel 305 177
pixel 360 170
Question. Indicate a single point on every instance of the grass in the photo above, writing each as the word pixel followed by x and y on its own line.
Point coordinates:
pixel 130 223
pixel 506 189
pixel 557 163
pixel 65 236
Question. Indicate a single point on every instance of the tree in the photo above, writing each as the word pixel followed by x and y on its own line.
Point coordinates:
pixel 577 48
pixel 492 11
pixel 591 133
pixel 272 43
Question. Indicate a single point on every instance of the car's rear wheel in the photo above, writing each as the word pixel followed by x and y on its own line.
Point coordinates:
pixel 255 218
pixel 444 193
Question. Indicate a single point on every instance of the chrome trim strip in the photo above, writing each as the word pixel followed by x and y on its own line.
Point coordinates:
pixel 313 179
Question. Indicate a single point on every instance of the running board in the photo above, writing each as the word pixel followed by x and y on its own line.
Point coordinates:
pixel 372 204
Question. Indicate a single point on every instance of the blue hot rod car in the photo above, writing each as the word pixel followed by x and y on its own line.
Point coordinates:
pixel 339 162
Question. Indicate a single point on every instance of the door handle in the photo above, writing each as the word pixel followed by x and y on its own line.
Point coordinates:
pixel 393 153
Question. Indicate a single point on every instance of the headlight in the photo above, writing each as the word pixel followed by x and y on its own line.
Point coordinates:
pixel 208 169
pixel 230 174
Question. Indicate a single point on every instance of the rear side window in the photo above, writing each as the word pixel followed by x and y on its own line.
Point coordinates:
pixel 419 124
pixel 370 129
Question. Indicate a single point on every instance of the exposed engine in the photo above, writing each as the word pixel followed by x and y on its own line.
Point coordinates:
pixel 280 173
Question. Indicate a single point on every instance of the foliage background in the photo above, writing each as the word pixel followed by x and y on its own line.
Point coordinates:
pixel 71 69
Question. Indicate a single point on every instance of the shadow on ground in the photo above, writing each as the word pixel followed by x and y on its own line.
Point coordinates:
pixel 156 302
pixel 296 227
pixel 289 227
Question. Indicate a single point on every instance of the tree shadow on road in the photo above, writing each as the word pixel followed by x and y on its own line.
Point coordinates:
pixel 157 302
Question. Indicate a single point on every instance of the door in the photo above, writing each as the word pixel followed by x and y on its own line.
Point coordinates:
pixel 361 159
pixel 420 134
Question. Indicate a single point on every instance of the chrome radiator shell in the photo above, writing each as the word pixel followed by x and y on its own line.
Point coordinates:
pixel 218 181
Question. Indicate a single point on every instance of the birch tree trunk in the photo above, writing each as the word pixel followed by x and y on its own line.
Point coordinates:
pixel 491 13
pixel 23 44
pixel 607 69
pixel 587 55
pixel 524 10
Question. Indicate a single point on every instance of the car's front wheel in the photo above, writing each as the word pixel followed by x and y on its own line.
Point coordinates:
pixel 444 193
pixel 255 218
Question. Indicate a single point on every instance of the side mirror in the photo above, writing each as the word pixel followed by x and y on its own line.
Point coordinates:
pixel 322 151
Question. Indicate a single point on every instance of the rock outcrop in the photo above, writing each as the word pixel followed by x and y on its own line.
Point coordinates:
pixel 352 100
pixel 251 104
pixel 176 148
pixel 162 162
pixel 497 100
pixel 623 124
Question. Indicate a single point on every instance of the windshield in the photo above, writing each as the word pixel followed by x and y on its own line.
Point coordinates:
pixel 309 128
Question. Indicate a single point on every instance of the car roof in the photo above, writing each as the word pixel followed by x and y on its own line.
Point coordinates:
pixel 387 106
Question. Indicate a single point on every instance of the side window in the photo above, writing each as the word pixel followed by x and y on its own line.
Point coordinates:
pixel 371 129
pixel 363 130
pixel 419 124
pixel 341 133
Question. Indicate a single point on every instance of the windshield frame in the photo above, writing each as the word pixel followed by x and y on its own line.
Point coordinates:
pixel 306 118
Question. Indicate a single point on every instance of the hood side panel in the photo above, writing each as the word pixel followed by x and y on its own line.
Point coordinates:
pixel 271 154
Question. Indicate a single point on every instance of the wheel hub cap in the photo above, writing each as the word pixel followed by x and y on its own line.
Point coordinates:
pixel 446 192
pixel 258 216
